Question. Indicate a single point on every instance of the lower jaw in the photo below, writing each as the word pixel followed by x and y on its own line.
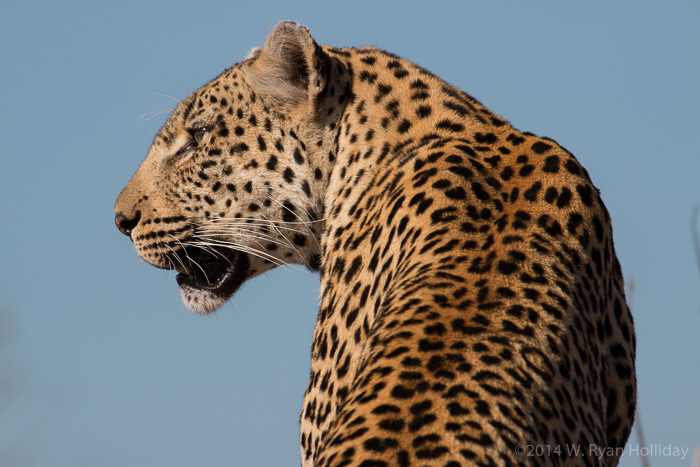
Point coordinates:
pixel 205 298
pixel 201 301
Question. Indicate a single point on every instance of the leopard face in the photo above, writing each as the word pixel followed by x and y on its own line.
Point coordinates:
pixel 472 301
pixel 231 187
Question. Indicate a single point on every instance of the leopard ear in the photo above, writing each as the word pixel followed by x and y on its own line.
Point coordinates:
pixel 290 69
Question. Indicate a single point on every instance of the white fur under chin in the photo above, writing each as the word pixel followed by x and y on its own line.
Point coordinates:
pixel 201 301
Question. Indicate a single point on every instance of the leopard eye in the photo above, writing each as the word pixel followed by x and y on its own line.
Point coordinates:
pixel 198 134
pixel 190 145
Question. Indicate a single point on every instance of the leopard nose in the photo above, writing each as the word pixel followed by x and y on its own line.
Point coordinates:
pixel 125 224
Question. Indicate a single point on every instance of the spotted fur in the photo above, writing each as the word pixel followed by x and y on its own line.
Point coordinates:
pixel 472 301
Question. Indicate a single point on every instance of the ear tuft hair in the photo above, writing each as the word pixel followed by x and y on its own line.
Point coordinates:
pixel 253 53
pixel 288 68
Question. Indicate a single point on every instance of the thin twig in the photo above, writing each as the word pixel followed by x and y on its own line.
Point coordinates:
pixel 694 233
pixel 631 286
pixel 640 438
pixel 696 247
pixel 696 458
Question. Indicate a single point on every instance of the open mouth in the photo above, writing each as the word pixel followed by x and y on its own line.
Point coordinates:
pixel 212 271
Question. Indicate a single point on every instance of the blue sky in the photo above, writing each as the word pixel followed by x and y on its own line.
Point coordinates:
pixel 100 364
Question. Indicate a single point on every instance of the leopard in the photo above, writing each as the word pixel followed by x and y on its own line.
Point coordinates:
pixel 472 307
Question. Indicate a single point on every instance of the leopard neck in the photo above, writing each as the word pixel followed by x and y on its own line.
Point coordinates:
pixel 391 108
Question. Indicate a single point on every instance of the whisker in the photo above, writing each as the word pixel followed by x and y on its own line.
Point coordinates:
pixel 307 212
pixel 235 229
pixel 143 120
pixel 155 108
pixel 178 82
pixel 254 236
pixel 217 238
pixel 242 230
pixel 216 218
pixel 189 258
pixel 248 249
pixel 288 242
pixel 267 223
pixel 163 255
pixel 166 96
pixel 289 210
pixel 237 226
pixel 179 260
pixel 233 245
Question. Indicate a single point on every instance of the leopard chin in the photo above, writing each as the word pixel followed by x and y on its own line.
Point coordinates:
pixel 205 289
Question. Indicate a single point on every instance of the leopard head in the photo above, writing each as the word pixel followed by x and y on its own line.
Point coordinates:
pixel 233 184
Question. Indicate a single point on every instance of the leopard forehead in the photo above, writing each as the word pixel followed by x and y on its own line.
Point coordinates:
pixel 471 296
